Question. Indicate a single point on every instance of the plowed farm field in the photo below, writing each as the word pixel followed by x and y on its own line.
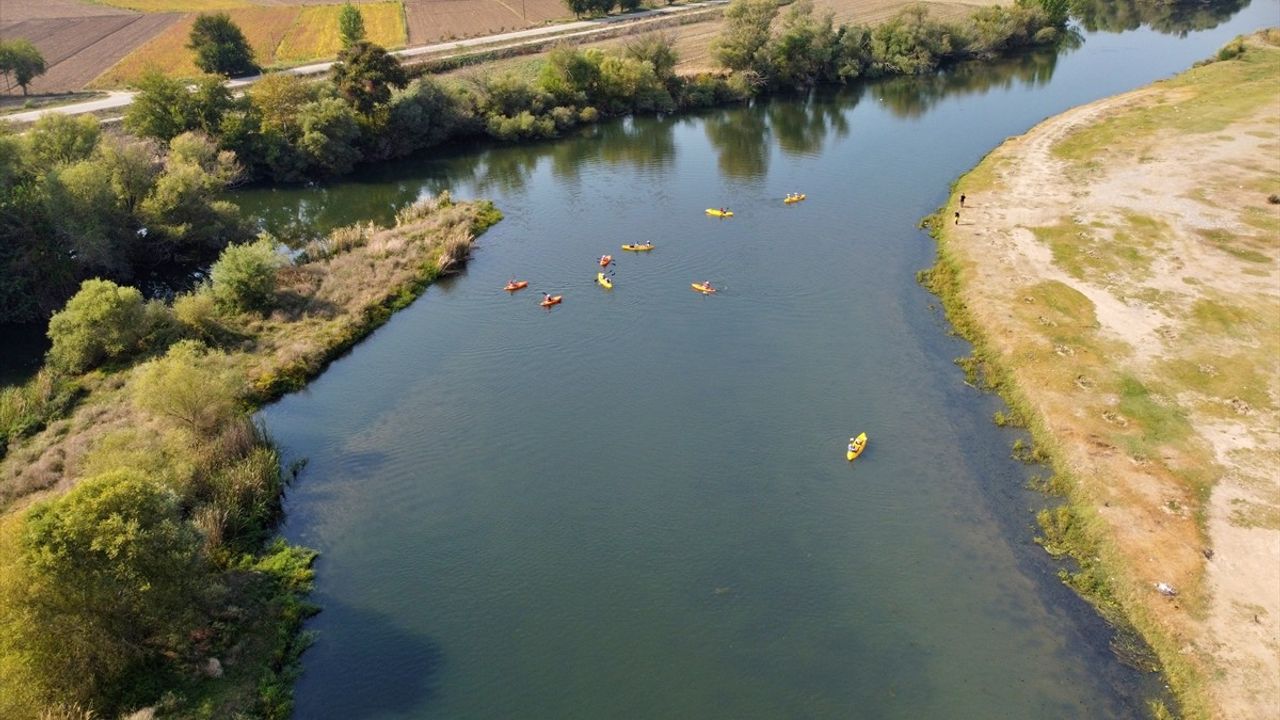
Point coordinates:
pixel 77 49
pixel 432 21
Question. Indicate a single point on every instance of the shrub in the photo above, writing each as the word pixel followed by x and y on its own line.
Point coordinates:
pixel 220 46
pixel 56 138
pixel 909 44
pixel 197 314
pixel 330 131
pixel 804 50
pixel 106 581
pixel 746 33
pixel 102 321
pixel 161 107
pixel 244 277
pixel 190 387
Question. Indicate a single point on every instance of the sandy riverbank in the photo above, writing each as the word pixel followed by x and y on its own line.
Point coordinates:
pixel 1118 267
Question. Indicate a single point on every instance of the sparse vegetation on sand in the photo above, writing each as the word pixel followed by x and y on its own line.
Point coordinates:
pixel 1118 272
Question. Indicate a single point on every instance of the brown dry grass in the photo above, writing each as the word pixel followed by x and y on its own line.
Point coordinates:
pixel 1138 316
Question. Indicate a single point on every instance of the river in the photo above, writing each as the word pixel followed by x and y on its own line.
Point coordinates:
pixel 636 504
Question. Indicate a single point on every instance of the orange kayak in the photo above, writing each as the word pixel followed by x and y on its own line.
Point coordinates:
pixel 704 289
pixel 516 285
pixel 553 300
pixel 605 260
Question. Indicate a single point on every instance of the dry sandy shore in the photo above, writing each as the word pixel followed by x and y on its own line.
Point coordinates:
pixel 1121 262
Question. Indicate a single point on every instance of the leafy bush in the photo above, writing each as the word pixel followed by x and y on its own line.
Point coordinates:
pixel 804 50
pixel 746 33
pixel 197 314
pixel 103 321
pixel 104 581
pixel 244 277
pixel 56 138
pixel 189 387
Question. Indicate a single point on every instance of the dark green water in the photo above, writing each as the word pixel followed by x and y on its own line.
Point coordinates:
pixel 636 505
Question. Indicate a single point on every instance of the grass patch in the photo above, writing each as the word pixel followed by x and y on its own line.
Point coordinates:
pixel 1161 422
pixel 1219 376
pixel 1247 514
pixel 314 34
pixel 1202 100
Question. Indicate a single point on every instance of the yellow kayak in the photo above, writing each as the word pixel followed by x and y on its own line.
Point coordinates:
pixel 794 198
pixel 719 213
pixel 604 280
pixel 704 288
pixel 638 248
pixel 856 446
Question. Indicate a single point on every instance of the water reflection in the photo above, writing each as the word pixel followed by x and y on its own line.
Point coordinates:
pixel 741 138
pixel 1175 17
pixel 910 97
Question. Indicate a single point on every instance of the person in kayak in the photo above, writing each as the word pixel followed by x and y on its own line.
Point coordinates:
pixel 853 444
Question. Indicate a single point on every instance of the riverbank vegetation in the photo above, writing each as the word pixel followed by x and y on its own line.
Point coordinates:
pixel 1105 327
pixel 153 581
pixel 288 129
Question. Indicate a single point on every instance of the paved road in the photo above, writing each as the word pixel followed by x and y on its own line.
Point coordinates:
pixel 579 28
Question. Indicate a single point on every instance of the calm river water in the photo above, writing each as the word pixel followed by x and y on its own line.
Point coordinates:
pixel 637 505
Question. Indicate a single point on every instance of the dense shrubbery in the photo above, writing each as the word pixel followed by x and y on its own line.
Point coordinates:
pixel 78 203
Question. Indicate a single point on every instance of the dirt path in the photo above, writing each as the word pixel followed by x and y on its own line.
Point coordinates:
pixel 1121 259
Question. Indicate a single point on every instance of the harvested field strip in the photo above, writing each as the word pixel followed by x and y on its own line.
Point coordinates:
pixel 76 50
pixel 264 27
pixel 179 6
pixel 314 34
pixel 441 20
pixel 16 11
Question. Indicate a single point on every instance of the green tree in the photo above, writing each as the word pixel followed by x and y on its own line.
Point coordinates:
pixel 161 108
pixel 184 218
pixel 244 277
pixel 658 49
pixel 1057 11
pixel 107 580
pixel 100 322
pixel 56 138
pixel 350 25
pixel 330 131
pixel 740 47
pixel 189 387
pixel 21 60
pixel 365 73
pixel 804 49
pixel 220 46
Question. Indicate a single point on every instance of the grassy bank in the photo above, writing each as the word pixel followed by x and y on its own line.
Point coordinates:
pixel 137 563
pixel 1117 273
